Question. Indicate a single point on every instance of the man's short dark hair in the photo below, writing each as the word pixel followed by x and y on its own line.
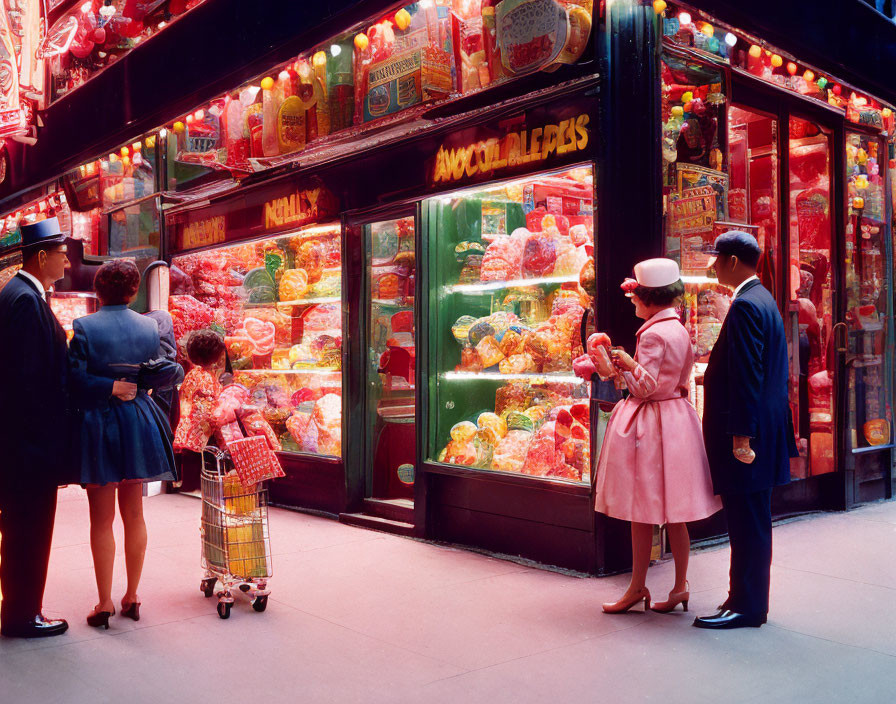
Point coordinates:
pixel 661 295
pixel 29 253
pixel 116 282
pixel 205 347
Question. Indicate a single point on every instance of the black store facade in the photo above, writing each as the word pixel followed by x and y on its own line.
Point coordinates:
pixel 654 140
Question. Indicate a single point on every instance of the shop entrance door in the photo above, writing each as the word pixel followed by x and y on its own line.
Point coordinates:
pixel 388 359
pixel 811 313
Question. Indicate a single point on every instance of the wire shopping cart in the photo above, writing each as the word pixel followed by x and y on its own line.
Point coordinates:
pixel 236 546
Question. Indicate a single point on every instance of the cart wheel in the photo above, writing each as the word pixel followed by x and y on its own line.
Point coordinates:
pixel 260 603
pixel 224 609
pixel 208 586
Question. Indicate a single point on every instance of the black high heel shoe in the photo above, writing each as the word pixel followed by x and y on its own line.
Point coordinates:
pixel 100 619
pixel 131 611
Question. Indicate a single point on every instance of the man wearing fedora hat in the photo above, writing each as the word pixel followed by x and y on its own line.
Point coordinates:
pixel 33 430
pixel 747 427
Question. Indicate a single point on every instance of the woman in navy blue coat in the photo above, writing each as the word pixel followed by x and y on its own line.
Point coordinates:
pixel 124 437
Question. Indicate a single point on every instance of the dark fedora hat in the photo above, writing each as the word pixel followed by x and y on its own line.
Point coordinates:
pixel 43 233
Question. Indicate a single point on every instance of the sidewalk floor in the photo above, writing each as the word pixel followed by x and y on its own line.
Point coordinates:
pixel 360 616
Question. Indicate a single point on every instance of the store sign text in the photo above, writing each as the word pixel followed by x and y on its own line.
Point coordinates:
pixel 298 208
pixel 204 233
pixel 514 149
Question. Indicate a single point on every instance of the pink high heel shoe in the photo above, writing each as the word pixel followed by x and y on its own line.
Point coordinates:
pixel 623 605
pixel 674 600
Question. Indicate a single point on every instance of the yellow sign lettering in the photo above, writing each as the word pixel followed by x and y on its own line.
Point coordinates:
pixel 513 149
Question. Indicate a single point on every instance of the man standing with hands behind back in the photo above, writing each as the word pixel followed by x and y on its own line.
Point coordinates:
pixel 34 429
pixel 747 427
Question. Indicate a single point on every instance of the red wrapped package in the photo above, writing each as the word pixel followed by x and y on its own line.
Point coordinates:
pixel 539 256
pixel 255 424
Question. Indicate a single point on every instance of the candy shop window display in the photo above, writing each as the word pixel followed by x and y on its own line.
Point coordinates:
pixel 512 273
pixel 691 29
pixel 134 231
pixel 127 174
pixel 867 306
pixel 701 33
pixel 68 307
pixel 96 33
pixel 375 73
pixel 696 193
pixel 278 303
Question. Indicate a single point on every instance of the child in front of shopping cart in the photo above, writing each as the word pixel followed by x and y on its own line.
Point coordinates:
pixel 200 391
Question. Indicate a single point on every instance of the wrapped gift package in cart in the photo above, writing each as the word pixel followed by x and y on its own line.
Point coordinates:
pixel 236 548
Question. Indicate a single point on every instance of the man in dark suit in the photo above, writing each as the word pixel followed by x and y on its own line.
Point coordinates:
pixel 747 427
pixel 33 430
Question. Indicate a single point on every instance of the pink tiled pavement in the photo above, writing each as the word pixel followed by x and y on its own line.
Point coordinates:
pixel 359 616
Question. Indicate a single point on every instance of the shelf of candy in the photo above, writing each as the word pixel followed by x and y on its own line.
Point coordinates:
pixel 535 355
pixel 541 432
pixel 864 179
pixel 693 152
pixel 398 63
pixel 304 413
pixel 531 346
pixel 278 304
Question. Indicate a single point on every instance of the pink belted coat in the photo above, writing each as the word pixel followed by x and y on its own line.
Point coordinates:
pixel 653 466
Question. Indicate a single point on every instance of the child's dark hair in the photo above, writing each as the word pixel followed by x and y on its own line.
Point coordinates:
pixel 661 295
pixel 205 347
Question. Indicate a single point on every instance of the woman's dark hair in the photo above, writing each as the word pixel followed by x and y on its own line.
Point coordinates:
pixel 116 282
pixel 205 347
pixel 660 296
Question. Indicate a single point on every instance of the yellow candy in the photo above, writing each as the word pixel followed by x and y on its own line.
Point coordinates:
pixel 403 19
pixel 489 352
pixel 493 421
pixel 536 413
pixel 463 431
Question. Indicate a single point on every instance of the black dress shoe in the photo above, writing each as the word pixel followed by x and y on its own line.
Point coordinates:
pixel 37 627
pixel 729 619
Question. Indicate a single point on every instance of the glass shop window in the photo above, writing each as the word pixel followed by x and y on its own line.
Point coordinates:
pixel 511 274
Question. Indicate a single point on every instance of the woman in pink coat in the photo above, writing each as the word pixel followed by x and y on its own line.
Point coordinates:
pixel 653 468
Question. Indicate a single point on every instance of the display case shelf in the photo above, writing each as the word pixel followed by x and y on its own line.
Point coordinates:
pixel 313 372
pixel 489 286
pixel 531 377
pixel 699 280
pixel 396 302
pixel 311 301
